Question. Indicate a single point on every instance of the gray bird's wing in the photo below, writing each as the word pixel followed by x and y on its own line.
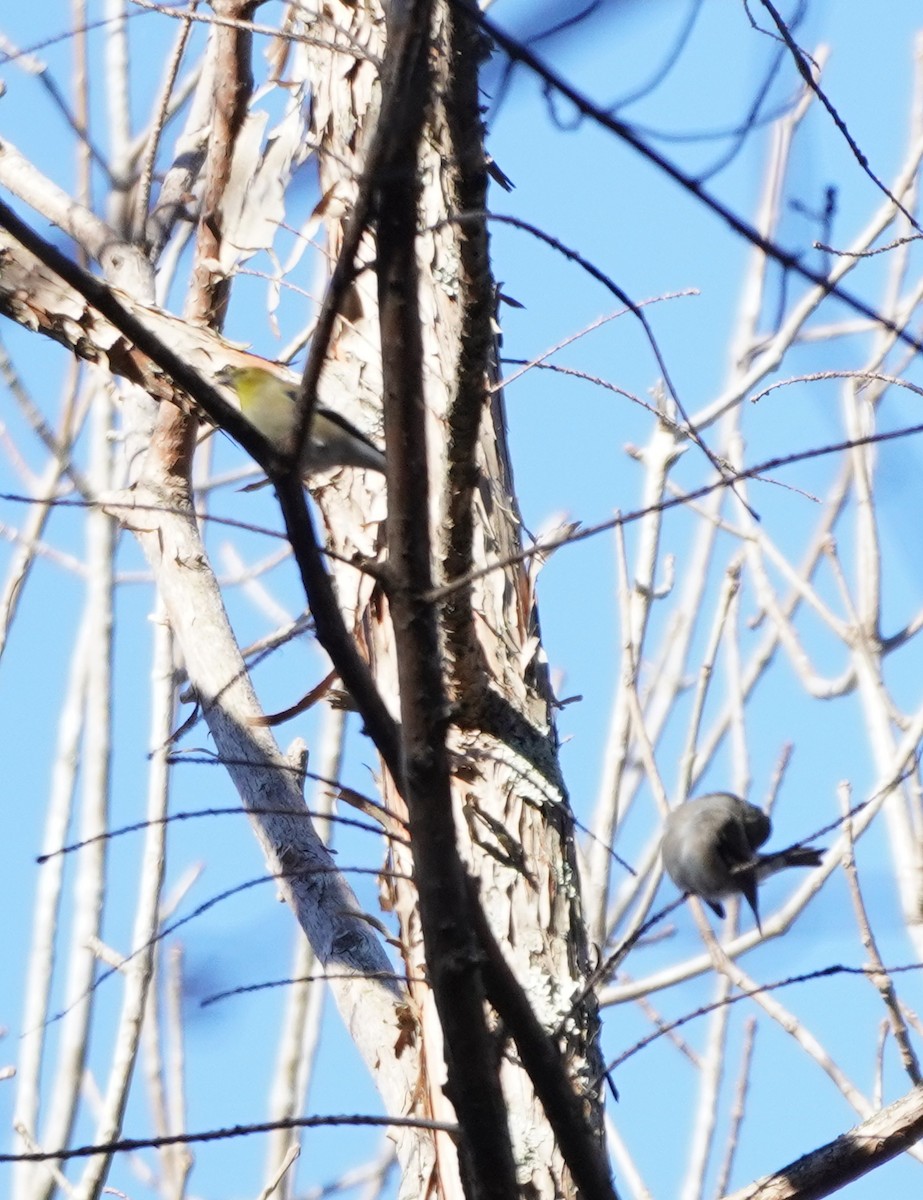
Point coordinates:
pixel 735 849
pixel 732 843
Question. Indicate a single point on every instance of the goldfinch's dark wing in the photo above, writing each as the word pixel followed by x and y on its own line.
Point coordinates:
pixel 346 427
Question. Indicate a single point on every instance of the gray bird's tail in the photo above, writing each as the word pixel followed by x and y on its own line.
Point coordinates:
pixel 763 865
pixel 794 856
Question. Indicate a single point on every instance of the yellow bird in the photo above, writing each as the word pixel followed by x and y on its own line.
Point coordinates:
pixel 268 403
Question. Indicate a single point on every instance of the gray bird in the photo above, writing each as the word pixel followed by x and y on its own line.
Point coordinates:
pixel 709 849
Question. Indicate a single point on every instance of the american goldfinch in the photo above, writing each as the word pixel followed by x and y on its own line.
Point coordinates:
pixel 268 403
pixel 709 849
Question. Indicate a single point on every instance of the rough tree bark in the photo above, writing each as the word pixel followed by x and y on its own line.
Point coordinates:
pixel 512 811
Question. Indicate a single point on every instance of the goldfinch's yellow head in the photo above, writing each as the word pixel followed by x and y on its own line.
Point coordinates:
pixel 267 401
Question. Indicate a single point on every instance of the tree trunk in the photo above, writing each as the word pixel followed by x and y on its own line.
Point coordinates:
pixel 513 818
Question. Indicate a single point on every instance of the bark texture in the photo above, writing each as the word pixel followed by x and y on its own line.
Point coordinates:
pixel 513 820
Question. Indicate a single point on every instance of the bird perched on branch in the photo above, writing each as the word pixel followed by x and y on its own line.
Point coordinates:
pixel 710 850
pixel 268 403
